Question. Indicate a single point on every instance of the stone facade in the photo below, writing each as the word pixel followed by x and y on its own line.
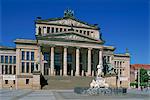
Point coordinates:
pixel 66 47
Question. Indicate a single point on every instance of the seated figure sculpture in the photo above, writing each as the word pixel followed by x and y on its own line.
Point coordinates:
pixel 99 82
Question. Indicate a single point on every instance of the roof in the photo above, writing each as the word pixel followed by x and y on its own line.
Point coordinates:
pixel 122 55
pixel 138 66
pixel 6 48
pixel 109 48
pixel 25 41
pixel 61 18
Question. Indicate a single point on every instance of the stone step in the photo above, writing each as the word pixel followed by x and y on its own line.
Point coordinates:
pixel 67 82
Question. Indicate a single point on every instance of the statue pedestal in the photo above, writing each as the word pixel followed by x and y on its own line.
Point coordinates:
pixel 36 80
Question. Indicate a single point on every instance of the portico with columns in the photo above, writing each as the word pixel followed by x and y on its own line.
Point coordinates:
pixel 69 60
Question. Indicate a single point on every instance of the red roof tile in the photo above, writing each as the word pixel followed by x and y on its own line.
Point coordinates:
pixel 137 66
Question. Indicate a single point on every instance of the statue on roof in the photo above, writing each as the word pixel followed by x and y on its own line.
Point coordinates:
pixel 69 13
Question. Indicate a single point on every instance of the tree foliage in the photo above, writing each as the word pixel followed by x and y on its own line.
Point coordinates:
pixel 143 76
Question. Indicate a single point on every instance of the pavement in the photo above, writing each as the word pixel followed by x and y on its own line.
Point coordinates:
pixel 24 94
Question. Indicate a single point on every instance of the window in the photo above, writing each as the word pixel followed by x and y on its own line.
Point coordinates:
pixel 27 81
pixel 57 59
pixel 27 67
pixel 28 55
pixel 32 56
pixel 88 33
pixel 48 29
pixel 69 58
pixel 80 31
pixel 6 59
pixel 46 56
pixel 39 31
pixel 52 29
pixel 23 55
pixel 60 29
pixel 6 69
pixel 91 31
pixel 14 69
pixel 32 67
pixel 2 69
pixel 13 81
pixel 10 69
pixel 14 60
pixel 22 67
pixel 76 30
pixel 56 30
pixel 10 59
pixel 64 29
pixel 84 32
pixel 2 59
pixel 6 81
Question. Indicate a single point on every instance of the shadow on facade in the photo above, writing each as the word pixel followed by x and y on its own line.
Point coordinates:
pixel 43 81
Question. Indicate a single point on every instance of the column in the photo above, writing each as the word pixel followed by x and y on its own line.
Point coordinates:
pixel 37 30
pixel 77 61
pixel 52 61
pixel 18 61
pixel 118 66
pixel 65 62
pixel 100 57
pixel 89 61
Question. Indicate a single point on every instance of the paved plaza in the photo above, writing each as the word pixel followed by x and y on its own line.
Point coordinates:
pixel 66 95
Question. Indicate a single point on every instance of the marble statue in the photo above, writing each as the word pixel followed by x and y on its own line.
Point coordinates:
pixel 99 82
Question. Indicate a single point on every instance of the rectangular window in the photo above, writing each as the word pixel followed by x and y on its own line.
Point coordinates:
pixel 27 81
pixel 10 69
pixel 48 29
pixel 6 69
pixel 46 56
pixel 6 81
pixel 64 29
pixel 2 59
pixel 80 31
pixel 14 82
pixel 27 67
pixel 60 29
pixel 56 30
pixel 22 67
pixel 84 32
pixel 14 69
pixel 23 55
pixel 6 59
pixel 10 59
pixel 2 69
pixel 32 67
pixel 52 29
pixel 14 59
pixel 32 56
pixel 69 58
pixel 88 32
pixel 27 55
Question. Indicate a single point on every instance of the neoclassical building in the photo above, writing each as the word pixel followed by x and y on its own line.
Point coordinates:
pixel 63 46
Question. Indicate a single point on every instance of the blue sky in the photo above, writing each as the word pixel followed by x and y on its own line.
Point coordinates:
pixel 124 23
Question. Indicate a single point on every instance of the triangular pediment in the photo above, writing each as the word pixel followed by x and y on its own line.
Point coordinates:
pixel 71 37
pixel 68 22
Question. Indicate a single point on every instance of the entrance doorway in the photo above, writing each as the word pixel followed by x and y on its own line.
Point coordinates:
pixel 69 67
pixel 46 67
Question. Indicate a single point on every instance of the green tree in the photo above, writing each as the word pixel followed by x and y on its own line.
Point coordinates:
pixel 143 77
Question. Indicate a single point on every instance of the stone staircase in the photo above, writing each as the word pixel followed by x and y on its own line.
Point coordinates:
pixel 66 82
